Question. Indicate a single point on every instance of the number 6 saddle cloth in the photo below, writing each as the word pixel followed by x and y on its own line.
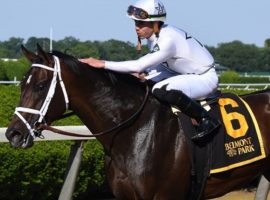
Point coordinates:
pixel 238 141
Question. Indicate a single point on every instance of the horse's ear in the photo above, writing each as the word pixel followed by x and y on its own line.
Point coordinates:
pixel 28 54
pixel 43 54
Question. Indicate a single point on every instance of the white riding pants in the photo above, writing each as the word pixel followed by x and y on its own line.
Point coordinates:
pixel 194 86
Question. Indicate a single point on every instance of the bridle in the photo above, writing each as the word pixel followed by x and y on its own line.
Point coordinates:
pixel 39 125
pixel 34 130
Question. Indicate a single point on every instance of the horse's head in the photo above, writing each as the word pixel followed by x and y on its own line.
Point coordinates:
pixel 96 96
pixel 41 93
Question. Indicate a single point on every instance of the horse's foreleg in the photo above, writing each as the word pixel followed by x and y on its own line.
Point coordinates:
pixel 118 181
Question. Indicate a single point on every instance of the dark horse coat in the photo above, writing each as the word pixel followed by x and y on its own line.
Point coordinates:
pixel 146 158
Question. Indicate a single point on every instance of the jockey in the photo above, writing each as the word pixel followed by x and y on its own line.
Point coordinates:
pixel 180 66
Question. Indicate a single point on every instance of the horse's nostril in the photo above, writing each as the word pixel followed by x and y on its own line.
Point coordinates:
pixel 15 138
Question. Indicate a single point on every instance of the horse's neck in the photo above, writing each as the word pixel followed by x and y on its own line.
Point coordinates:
pixel 105 104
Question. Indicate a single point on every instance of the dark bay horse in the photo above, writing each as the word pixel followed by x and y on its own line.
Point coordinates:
pixel 147 156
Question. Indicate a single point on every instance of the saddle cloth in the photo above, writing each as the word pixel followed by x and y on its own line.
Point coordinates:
pixel 238 141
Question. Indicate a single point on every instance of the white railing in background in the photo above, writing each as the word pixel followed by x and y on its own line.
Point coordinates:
pixel 11 82
pixel 244 86
pixel 49 136
pixel 232 86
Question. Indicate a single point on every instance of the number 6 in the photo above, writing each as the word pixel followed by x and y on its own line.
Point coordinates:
pixel 228 117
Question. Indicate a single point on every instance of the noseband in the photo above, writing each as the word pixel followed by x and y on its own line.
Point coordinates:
pixel 34 130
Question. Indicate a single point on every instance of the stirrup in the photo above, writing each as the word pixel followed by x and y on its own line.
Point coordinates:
pixel 213 125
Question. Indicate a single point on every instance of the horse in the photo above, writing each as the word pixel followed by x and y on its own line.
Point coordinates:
pixel 147 154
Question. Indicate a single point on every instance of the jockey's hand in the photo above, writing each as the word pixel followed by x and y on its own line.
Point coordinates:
pixel 140 76
pixel 93 62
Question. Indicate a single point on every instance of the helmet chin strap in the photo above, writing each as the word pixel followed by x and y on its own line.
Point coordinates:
pixel 156 30
pixel 139 45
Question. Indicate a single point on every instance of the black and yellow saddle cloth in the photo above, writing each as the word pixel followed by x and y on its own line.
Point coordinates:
pixel 239 140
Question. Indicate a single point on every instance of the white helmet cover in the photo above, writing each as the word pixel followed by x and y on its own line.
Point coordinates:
pixel 155 10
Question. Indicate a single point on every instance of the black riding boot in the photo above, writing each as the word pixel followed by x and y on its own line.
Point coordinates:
pixel 191 108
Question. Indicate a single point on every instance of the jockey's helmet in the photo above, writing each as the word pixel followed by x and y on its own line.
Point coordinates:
pixel 147 10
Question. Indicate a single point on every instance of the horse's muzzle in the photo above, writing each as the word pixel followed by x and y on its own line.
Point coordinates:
pixel 18 139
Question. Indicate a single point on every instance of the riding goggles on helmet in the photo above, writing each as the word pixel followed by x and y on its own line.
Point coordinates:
pixel 140 13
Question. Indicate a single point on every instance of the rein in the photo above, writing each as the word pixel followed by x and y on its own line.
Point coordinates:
pixel 102 133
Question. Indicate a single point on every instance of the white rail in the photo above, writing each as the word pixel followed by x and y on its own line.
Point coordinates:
pixel 49 136
pixel 244 86
pixel 15 81
pixel 233 86
pixel 10 82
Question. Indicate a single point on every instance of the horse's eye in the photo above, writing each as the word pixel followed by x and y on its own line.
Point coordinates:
pixel 40 87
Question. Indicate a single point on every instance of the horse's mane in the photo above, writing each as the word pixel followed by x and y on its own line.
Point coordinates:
pixel 70 61
pixel 76 66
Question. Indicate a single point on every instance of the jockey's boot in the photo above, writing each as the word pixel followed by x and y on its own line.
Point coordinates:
pixel 191 108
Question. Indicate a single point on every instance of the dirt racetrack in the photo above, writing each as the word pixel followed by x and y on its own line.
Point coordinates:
pixel 239 195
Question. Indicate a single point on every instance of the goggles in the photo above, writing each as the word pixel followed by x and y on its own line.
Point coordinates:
pixel 140 13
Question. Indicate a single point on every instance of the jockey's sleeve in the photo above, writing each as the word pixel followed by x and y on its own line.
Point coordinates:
pixel 166 50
